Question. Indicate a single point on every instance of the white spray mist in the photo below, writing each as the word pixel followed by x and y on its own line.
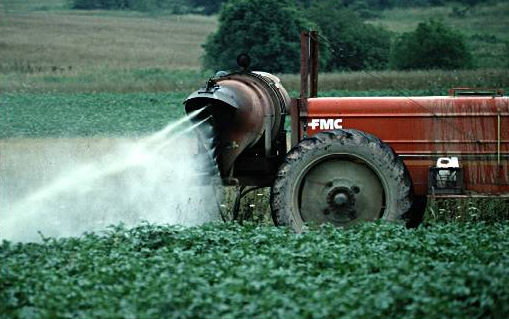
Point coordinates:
pixel 64 187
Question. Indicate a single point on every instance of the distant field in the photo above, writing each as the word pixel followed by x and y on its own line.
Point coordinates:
pixel 68 43
pixel 46 47
pixel 104 80
pixel 433 82
pixel 32 5
pixel 89 51
pixel 163 80
pixel 87 115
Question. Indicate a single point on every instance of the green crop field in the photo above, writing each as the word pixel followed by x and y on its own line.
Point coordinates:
pixel 373 270
pixel 75 115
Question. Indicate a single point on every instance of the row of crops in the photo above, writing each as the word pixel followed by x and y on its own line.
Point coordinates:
pixel 373 270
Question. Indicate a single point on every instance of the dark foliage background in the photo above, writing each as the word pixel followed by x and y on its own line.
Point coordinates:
pixel 267 30
pixel 351 43
pixel 431 45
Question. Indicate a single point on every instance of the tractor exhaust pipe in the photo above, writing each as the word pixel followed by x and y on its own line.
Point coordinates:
pixel 245 111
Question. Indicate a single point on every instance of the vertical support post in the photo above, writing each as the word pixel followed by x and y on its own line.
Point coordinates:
pixel 268 135
pixel 499 138
pixel 295 107
pixel 308 68
pixel 294 124
pixel 304 64
pixel 313 56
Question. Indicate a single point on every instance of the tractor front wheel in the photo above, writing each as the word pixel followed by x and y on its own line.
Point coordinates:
pixel 340 177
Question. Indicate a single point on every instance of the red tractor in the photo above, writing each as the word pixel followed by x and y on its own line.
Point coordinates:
pixel 353 158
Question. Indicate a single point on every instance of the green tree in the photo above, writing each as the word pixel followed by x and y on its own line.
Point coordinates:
pixel 433 45
pixel 268 30
pixel 353 44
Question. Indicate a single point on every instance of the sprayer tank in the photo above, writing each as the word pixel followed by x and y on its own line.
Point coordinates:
pixel 246 112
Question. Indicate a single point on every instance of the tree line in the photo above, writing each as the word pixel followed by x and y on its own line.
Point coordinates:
pixel 268 30
pixel 365 7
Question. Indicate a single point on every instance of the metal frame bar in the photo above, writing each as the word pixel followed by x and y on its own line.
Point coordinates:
pixel 304 64
pixel 308 83
pixel 313 63
pixel 499 138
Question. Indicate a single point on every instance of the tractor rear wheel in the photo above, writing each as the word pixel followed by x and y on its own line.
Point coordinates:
pixel 340 177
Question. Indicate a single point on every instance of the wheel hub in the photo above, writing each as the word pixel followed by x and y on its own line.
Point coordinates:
pixel 341 201
pixel 339 191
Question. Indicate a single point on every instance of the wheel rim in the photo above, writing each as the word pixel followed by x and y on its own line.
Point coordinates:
pixel 339 190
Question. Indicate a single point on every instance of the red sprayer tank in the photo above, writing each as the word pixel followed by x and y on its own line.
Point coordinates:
pixel 475 129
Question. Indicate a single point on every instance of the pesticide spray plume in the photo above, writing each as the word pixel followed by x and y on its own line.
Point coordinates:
pixel 150 179
pixel 173 126
pixel 184 132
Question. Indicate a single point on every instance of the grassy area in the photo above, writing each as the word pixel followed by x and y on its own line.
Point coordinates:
pixel 433 82
pixel 468 210
pixel 105 80
pixel 485 27
pixel 105 114
pixel 84 51
pixel 161 80
pixel 32 5
pixel 74 42
pixel 373 270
